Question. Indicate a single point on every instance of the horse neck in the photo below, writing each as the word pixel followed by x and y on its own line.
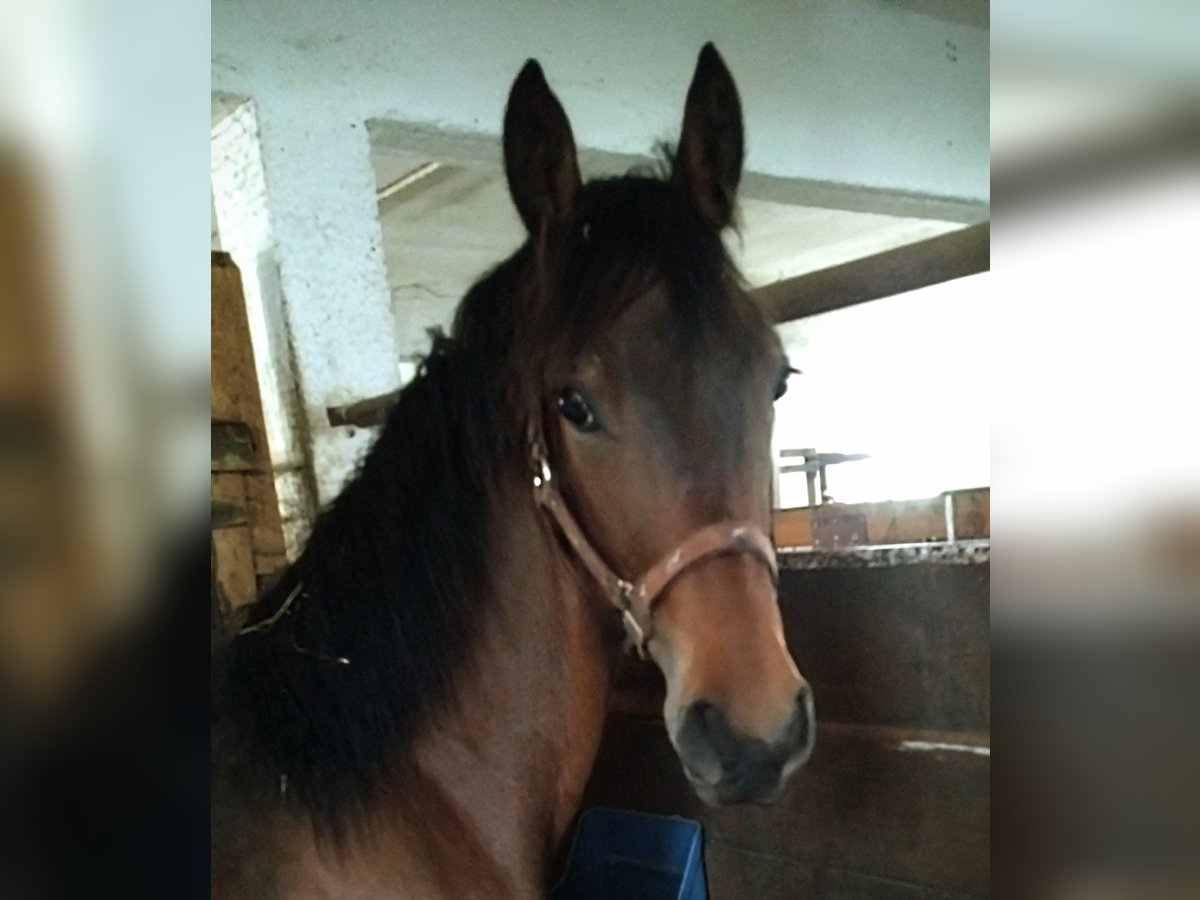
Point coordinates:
pixel 513 751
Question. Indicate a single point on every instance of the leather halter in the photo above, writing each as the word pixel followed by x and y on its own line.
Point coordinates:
pixel 635 600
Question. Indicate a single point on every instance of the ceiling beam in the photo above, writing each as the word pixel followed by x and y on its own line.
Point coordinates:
pixel 477 150
pixel 942 258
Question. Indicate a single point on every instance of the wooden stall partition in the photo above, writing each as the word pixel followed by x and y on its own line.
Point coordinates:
pixel 894 802
pixel 247 532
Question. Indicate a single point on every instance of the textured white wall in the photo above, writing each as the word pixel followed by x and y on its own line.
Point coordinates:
pixel 295 207
pixel 242 223
pixel 853 91
pixel 321 192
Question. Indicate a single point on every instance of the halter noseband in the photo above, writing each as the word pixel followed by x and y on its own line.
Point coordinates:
pixel 635 600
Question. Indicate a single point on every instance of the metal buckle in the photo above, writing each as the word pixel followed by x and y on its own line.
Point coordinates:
pixel 542 473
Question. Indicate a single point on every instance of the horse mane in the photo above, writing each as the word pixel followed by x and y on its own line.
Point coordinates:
pixel 394 575
pixel 391 579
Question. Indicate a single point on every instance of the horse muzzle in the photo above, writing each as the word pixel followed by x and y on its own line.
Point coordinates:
pixel 725 767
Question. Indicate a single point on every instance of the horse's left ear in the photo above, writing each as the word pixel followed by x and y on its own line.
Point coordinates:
pixel 708 163
pixel 539 152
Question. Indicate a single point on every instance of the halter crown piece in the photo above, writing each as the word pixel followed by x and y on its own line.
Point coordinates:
pixel 635 599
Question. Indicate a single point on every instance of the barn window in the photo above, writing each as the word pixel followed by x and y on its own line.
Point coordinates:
pixel 900 380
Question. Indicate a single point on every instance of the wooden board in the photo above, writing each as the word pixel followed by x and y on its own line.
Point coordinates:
pixel 793 527
pixel 893 655
pixel 234 565
pixel 942 258
pixel 905 522
pixel 903 647
pixel 861 819
pixel 248 530
pixel 233 448
pixel 972 513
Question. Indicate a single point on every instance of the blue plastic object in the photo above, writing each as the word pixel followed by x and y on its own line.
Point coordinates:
pixel 620 855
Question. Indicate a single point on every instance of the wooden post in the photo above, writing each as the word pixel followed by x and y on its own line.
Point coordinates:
pixel 248 544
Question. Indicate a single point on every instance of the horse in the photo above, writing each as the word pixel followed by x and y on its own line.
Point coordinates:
pixel 581 466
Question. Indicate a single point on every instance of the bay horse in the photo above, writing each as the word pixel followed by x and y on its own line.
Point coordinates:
pixel 413 711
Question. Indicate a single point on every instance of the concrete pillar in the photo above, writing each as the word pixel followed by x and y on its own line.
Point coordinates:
pixel 329 247
pixel 295 207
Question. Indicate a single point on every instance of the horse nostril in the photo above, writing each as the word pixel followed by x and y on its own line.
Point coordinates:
pixel 804 697
pixel 715 728
pixel 706 733
pixel 803 722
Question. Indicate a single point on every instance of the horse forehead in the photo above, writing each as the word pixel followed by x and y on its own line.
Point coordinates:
pixel 662 342
pixel 692 397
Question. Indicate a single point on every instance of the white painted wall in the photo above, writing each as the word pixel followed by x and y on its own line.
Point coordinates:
pixel 852 91
pixel 295 206
pixel 242 224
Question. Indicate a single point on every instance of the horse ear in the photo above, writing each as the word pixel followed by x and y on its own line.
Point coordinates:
pixel 539 152
pixel 708 163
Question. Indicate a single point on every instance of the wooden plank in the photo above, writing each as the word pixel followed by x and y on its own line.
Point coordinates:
pixel 793 527
pixel 227 515
pixel 972 513
pixel 942 258
pixel 234 558
pixel 236 399
pixel 906 521
pixel 233 448
pixel 904 647
pixel 838 525
pixel 270 552
pixel 229 488
pixel 734 874
pixel 234 382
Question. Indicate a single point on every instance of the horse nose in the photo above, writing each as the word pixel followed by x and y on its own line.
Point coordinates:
pixel 735 768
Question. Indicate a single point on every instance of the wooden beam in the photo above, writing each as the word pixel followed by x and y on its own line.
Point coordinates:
pixel 367 413
pixel 942 258
pixel 938 259
pixel 239 435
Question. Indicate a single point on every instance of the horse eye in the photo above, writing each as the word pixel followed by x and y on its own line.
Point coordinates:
pixel 576 410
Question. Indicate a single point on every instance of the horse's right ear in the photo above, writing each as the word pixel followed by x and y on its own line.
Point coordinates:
pixel 539 152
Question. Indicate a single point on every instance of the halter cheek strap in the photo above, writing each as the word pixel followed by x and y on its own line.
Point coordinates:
pixel 635 600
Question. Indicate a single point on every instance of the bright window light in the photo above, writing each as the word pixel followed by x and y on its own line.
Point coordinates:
pixel 904 379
